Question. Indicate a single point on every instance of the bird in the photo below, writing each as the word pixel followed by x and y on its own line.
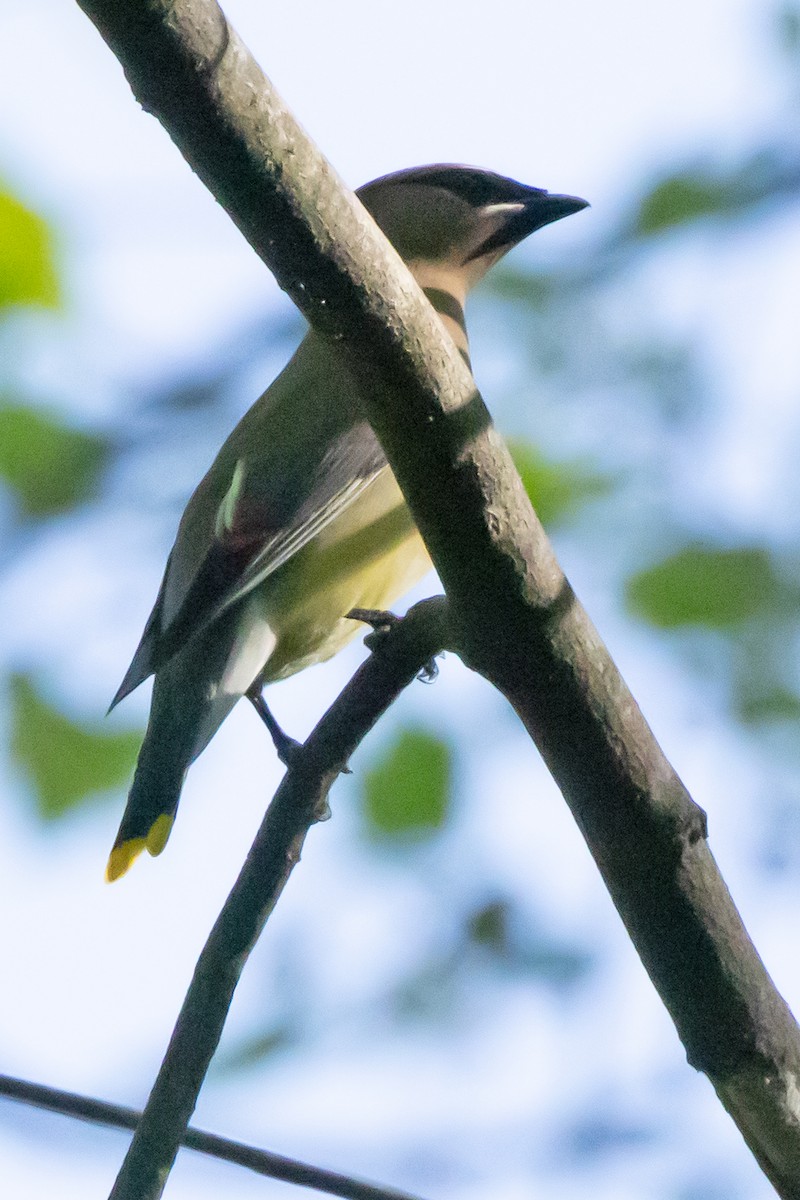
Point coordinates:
pixel 300 519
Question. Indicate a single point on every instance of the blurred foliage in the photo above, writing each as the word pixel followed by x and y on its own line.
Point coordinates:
pixel 702 585
pixel 787 29
pixel 64 761
pixel 408 793
pixel 774 704
pixel 557 490
pixel 495 930
pixel 493 938
pixel 27 268
pixel 699 192
pixel 253 1051
pixel 51 466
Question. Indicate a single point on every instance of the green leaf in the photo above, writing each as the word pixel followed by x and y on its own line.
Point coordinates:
pixel 50 466
pixel 409 791
pixel 65 762
pixel 680 199
pixel 701 192
pixel 27 270
pixel 556 490
pixel 778 704
pixel 705 586
pixel 489 926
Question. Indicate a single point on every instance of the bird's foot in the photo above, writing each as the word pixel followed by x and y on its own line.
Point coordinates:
pixel 383 622
pixel 288 749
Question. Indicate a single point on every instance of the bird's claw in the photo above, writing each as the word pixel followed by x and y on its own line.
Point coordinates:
pixel 383 622
pixel 429 671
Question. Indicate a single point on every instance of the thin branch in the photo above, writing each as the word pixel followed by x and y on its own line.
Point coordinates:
pixel 514 616
pixel 263 1162
pixel 300 800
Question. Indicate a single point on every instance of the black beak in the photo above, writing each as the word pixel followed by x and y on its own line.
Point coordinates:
pixel 555 207
pixel 536 210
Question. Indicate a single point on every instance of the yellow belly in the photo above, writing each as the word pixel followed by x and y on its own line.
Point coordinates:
pixel 367 558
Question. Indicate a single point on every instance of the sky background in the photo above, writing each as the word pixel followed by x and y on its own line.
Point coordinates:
pixel 577 98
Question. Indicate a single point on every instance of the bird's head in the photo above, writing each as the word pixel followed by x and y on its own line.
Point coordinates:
pixel 460 218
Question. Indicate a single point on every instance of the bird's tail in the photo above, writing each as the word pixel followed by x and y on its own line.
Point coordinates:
pixel 188 706
pixel 149 813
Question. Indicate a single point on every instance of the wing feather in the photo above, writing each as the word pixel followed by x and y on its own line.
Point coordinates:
pixel 254 533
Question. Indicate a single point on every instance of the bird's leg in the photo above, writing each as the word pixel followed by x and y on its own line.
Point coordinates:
pixel 383 622
pixel 287 748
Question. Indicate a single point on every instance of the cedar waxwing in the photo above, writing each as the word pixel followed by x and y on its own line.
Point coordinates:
pixel 300 519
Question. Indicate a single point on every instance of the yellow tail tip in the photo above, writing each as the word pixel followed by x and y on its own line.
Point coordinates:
pixel 124 855
pixel 158 834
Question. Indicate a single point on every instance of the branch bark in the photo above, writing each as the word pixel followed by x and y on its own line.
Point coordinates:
pixel 514 616
pixel 262 1162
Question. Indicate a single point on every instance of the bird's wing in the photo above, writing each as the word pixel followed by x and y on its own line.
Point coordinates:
pixel 255 528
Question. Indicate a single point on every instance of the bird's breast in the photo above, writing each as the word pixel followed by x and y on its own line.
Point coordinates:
pixel 368 557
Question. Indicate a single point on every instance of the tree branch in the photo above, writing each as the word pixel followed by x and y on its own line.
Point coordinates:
pixel 301 799
pixel 514 616
pixel 263 1162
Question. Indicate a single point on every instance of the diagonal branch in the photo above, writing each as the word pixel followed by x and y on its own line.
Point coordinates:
pixel 514 616
pixel 262 1162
